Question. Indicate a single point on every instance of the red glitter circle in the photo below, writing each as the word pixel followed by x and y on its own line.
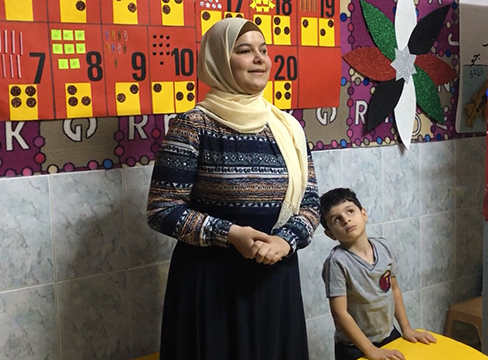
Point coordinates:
pixel 154 148
pixel 27 172
pixel 119 136
pixel 40 158
pixel 39 141
pixel 68 167
pixel 93 165
pixel 119 151
pixel 130 161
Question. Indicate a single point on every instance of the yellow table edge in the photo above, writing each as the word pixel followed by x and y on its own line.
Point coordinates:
pixel 444 349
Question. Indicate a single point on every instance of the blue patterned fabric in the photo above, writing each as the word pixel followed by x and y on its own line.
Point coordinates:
pixel 207 177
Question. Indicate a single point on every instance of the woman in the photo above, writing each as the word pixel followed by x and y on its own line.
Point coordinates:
pixel 233 182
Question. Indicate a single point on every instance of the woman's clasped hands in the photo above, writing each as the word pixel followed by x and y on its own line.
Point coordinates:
pixel 253 244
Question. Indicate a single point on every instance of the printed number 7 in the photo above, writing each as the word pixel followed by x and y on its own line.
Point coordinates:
pixel 40 65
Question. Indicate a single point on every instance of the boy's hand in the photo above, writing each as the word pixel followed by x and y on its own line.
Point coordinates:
pixel 421 336
pixel 385 354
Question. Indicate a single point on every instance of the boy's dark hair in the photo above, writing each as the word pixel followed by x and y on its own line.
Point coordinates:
pixel 335 197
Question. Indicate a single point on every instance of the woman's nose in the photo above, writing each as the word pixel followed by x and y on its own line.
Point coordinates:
pixel 259 58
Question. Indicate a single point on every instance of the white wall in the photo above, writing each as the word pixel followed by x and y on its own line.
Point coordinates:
pixel 83 277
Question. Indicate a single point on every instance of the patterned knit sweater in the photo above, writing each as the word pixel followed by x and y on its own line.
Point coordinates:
pixel 207 177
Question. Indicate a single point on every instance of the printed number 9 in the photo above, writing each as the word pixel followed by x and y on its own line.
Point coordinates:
pixel 139 64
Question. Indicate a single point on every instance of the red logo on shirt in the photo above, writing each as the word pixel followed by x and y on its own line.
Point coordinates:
pixel 385 281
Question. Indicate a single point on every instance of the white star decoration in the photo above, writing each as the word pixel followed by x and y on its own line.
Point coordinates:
pixel 404 64
pixel 405 22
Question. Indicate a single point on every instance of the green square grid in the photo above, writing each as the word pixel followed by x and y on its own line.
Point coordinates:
pixel 56 34
pixel 80 48
pixel 74 63
pixel 69 48
pixel 63 64
pixel 57 48
pixel 67 34
pixel 80 35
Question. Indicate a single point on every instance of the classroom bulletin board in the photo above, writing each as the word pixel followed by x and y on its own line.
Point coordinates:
pixel 93 84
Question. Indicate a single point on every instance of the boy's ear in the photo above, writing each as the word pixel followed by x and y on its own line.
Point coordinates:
pixel 365 215
pixel 329 234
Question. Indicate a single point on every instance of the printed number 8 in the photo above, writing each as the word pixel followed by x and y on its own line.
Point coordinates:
pixel 94 66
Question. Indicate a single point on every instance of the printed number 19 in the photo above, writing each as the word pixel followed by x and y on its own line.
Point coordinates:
pixel 329 6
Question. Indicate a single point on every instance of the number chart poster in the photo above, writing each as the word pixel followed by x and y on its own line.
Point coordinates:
pixel 92 84
pixel 93 58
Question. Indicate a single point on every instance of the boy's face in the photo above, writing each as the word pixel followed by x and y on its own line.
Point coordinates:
pixel 346 222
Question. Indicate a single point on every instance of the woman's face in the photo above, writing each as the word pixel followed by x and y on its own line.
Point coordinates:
pixel 250 62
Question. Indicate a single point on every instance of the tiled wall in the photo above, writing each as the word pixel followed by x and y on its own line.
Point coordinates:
pixel 83 277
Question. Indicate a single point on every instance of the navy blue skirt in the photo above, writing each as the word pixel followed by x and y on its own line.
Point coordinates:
pixel 219 305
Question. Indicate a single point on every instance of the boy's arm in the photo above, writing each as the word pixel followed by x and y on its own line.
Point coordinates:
pixel 401 316
pixel 344 320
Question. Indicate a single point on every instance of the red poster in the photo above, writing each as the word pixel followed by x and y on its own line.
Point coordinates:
pixel 94 58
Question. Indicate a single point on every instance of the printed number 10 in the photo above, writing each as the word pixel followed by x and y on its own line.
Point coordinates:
pixel 183 61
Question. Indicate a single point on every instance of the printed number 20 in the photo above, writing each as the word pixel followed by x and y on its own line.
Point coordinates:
pixel 291 67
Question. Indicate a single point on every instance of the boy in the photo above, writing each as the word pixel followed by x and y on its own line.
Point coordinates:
pixel 360 278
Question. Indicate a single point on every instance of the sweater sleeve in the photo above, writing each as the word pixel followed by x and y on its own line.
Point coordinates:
pixel 299 229
pixel 169 208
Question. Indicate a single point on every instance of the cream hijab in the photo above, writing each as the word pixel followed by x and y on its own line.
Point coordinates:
pixel 228 104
